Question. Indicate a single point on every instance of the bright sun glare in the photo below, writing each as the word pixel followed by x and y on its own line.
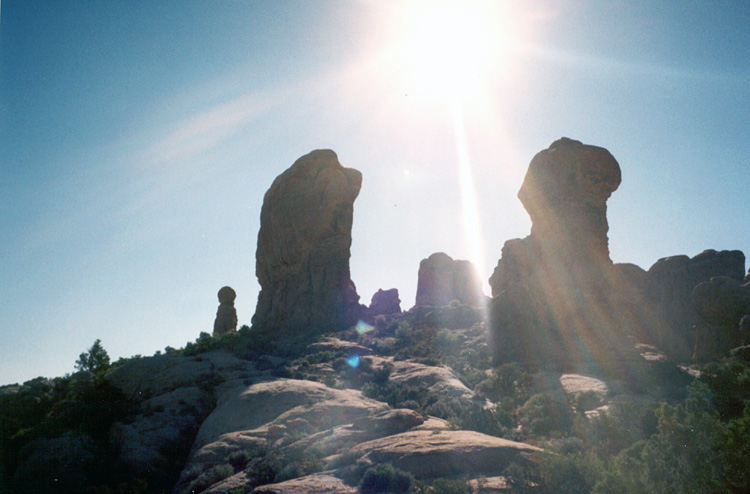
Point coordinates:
pixel 450 47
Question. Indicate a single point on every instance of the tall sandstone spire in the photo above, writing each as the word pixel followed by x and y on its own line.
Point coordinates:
pixel 302 259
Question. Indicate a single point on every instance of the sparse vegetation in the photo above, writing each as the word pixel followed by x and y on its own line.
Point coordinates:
pixel 385 479
pixel 690 441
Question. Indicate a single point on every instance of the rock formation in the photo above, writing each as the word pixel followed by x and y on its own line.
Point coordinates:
pixel 671 282
pixel 720 305
pixel 302 260
pixel 559 299
pixel 226 315
pixel 442 280
pixel 551 290
pixel 385 302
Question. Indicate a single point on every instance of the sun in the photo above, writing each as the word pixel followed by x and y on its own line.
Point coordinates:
pixel 450 48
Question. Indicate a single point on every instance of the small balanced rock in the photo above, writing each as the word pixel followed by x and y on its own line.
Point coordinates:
pixel 226 315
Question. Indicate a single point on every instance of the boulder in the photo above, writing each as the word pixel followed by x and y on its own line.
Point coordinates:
pixel 270 416
pixel 257 406
pixel 226 315
pixel 302 259
pixel 442 280
pixel 427 454
pixel 310 484
pixel 385 302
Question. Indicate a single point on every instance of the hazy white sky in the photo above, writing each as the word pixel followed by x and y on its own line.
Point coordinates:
pixel 137 140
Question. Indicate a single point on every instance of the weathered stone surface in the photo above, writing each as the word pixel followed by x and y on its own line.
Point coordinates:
pixel 720 305
pixel 385 302
pixel 269 415
pixel 174 394
pixel 310 484
pixel 165 421
pixel 575 384
pixel 302 260
pixel 390 422
pixel 144 378
pixel 141 379
pixel 437 379
pixel 565 192
pixel 426 454
pixel 670 287
pixel 442 280
pixel 226 315
pixel 281 400
pixel 554 303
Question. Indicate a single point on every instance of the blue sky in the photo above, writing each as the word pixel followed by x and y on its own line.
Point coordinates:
pixel 137 140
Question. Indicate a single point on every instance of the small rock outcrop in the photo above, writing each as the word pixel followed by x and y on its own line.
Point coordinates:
pixel 426 454
pixel 302 260
pixel 552 302
pixel 442 280
pixel 385 302
pixel 226 315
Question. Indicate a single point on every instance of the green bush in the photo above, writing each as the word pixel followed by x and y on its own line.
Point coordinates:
pixel 96 360
pixel 508 383
pixel 209 478
pixel 442 486
pixel 543 416
pixel 385 478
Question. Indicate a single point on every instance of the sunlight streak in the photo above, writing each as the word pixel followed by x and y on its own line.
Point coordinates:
pixel 473 237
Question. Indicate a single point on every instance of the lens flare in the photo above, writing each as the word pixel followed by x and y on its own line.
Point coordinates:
pixel 362 327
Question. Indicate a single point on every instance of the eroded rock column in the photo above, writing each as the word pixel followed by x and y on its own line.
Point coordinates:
pixel 302 259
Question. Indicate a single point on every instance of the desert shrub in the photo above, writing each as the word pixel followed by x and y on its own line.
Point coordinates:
pixel 692 452
pixel 543 416
pixel 519 478
pixel 209 478
pixel 300 463
pixel 403 333
pixel 446 407
pixel 203 344
pixel 617 428
pixel 508 382
pixel 588 400
pixel 485 420
pixel 447 341
pixel 441 486
pixel 570 474
pixel 240 459
pixel 729 383
pixel 385 478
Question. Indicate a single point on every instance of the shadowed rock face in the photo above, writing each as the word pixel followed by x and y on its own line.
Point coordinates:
pixel 442 280
pixel 671 284
pixel 385 302
pixel 551 289
pixel 565 192
pixel 720 305
pixel 302 260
